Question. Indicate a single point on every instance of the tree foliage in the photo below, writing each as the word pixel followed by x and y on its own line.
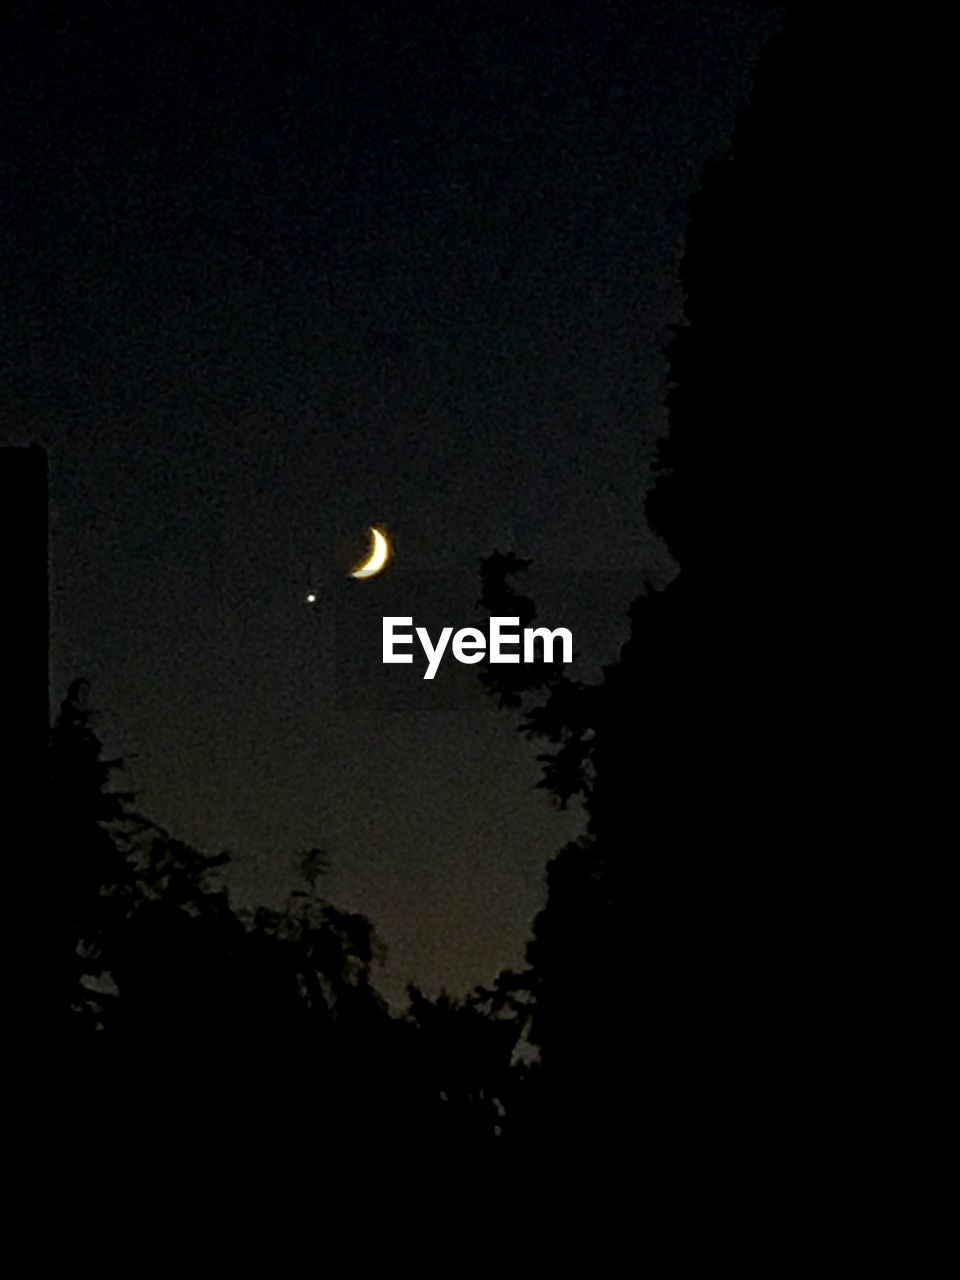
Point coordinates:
pixel 660 962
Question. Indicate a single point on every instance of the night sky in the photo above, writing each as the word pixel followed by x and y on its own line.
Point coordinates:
pixel 275 273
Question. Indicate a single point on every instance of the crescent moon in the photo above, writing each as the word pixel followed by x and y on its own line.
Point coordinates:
pixel 378 557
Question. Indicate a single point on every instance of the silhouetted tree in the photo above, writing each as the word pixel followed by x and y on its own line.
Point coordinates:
pixel 260 1027
pixel 90 880
pixel 458 1061
pixel 667 961
pixel 188 997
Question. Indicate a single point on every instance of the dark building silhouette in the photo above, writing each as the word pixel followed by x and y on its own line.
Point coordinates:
pixel 25 613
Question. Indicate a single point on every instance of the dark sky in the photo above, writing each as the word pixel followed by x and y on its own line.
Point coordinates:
pixel 274 273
